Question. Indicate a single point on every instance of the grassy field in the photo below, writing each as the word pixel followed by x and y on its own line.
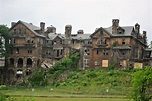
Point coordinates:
pixel 71 99
pixel 44 94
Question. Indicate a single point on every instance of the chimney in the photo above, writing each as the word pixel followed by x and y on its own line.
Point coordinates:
pixel 80 31
pixel 68 30
pixel 137 28
pixel 42 26
pixel 13 23
pixel 145 37
pixel 115 25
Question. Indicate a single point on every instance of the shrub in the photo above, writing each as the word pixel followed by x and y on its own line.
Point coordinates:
pixel 2 97
pixel 142 84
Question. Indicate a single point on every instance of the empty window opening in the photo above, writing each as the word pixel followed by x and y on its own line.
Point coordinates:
pixel 29 62
pixel 87 52
pixel 105 52
pixel 20 62
pixel 123 41
pixel 28 72
pixel 97 52
pixel 58 53
pixel 17 51
pixel 29 51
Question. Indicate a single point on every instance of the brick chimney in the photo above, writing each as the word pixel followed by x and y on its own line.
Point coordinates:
pixel 115 25
pixel 137 29
pixel 145 37
pixel 42 26
pixel 68 30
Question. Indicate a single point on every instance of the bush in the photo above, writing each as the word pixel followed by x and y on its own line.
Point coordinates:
pixel 2 97
pixel 142 84
pixel 38 79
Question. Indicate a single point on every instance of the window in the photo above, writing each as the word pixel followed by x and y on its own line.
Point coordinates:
pixel 14 31
pixel 29 51
pixel 86 62
pixel 104 63
pixel 87 52
pixel 105 52
pixel 61 52
pixel 97 52
pixel 54 42
pixel 96 63
pixel 61 42
pixel 13 40
pixel 17 51
pixel 123 41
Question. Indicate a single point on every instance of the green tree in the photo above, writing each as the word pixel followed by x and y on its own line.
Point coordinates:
pixel 142 84
pixel 4 50
pixel 39 78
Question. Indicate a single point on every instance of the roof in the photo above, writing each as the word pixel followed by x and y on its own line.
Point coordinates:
pixel 127 31
pixel 52 36
pixel 33 28
pixel 80 36
pixel 121 47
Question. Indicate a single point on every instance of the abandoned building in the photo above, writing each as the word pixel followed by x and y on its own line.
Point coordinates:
pixel 34 47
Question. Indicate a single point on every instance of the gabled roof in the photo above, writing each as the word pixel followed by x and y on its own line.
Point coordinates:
pixel 98 29
pixel 127 31
pixel 52 36
pixel 31 27
pixel 80 36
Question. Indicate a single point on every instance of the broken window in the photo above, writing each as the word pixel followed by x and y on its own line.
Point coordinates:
pixel 87 52
pixel 29 62
pixel 20 62
pixel 14 31
pixel 17 51
pixel 29 50
pixel 13 40
pixel 105 52
pixel 58 53
pixel 61 42
pixel 96 63
pixel 86 62
pixel 123 41
pixel 97 52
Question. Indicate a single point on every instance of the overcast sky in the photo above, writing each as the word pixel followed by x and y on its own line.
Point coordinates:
pixel 81 14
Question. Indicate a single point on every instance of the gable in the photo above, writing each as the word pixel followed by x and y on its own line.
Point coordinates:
pixel 21 30
pixel 99 33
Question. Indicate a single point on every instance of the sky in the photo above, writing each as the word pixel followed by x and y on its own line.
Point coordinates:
pixel 81 14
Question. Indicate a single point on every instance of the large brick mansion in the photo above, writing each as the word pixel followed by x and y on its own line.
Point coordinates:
pixel 34 47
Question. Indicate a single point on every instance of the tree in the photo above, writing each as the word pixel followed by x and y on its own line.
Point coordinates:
pixel 142 84
pixel 4 47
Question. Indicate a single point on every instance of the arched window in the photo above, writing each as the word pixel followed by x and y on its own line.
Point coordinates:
pixel 20 62
pixel 29 62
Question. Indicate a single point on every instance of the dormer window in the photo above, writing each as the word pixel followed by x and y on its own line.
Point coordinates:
pixel 123 41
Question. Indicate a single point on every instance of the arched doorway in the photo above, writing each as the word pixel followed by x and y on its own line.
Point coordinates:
pixel 20 62
pixel 29 62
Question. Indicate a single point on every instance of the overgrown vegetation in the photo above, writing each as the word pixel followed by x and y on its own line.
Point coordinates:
pixel 142 84
pixel 38 79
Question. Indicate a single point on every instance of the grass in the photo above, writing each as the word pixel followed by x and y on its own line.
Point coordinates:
pixel 72 99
